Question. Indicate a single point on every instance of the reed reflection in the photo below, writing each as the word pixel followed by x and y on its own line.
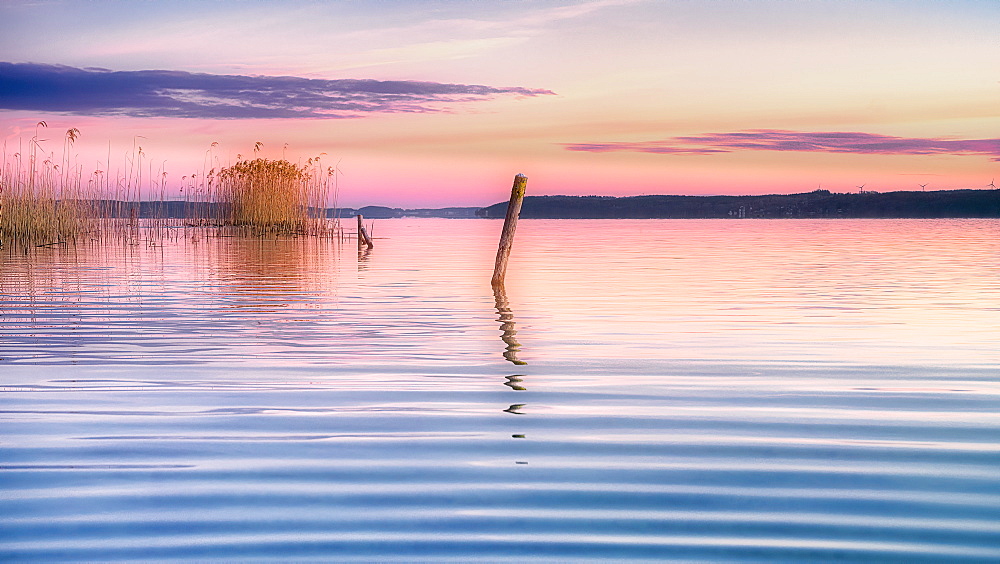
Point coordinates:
pixel 506 320
pixel 59 278
pixel 268 275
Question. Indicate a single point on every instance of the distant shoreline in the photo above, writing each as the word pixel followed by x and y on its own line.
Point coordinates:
pixel 816 204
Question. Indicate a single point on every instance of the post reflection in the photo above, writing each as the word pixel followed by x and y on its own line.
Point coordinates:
pixel 506 320
pixel 364 254
pixel 515 409
pixel 514 382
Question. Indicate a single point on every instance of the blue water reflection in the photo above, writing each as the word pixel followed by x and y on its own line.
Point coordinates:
pixel 695 391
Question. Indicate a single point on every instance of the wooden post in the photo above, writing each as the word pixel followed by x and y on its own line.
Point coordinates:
pixel 509 225
pixel 363 238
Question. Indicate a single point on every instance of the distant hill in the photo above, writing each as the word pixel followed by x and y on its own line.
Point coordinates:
pixel 382 212
pixel 819 204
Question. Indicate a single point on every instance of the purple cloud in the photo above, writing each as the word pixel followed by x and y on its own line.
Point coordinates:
pixel 819 142
pixel 160 93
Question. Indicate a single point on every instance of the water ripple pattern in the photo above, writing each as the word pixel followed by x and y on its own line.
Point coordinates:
pixel 780 391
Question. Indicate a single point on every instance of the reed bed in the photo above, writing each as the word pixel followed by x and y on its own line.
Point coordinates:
pixel 269 197
pixel 36 210
pixel 45 200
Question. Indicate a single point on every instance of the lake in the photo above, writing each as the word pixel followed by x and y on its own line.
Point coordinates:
pixel 689 390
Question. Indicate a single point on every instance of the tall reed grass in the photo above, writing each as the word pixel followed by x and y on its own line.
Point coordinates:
pixel 43 202
pixel 47 200
pixel 268 197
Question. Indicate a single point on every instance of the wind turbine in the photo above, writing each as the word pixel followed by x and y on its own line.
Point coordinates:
pixel 337 171
pixel 992 185
pixel 923 187
pixel 861 189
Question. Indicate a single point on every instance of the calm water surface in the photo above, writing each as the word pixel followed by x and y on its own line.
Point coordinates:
pixel 694 390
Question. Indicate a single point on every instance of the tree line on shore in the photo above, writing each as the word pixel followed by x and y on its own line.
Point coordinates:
pixel 816 204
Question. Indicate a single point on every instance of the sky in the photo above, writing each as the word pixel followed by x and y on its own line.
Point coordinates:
pixel 440 103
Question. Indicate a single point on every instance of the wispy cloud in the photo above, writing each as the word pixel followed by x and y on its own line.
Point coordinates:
pixel 465 34
pixel 161 93
pixel 816 142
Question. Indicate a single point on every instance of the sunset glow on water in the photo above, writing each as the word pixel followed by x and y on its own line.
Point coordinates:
pixel 788 390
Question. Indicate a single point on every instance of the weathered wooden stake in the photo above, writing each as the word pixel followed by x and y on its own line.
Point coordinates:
pixel 363 238
pixel 509 225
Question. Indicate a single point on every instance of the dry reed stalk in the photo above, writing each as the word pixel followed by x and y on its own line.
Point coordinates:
pixel 42 202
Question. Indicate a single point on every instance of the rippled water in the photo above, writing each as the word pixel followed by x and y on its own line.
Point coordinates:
pixel 694 390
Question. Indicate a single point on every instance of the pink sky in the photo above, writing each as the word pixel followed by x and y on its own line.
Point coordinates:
pixel 615 97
